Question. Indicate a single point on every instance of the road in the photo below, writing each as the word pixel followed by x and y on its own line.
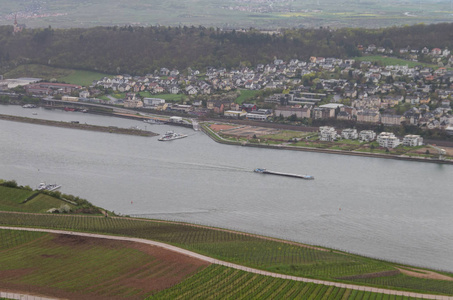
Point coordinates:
pixel 238 267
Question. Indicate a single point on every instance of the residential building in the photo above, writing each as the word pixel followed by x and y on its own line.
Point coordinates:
pixel 387 140
pixel 412 140
pixel 153 101
pixel 236 114
pixel 258 117
pixel 323 113
pixel 368 116
pixel 133 103
pixel 47 88
pixel 287 111
pixel 349 134
pixel 328 134
pixel 367 135
pixel 391 120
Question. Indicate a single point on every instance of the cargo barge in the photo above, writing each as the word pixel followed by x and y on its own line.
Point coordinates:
pixel 264 171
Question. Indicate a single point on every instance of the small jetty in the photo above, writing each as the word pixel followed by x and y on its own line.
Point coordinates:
pixel 264 171
pixel 48 187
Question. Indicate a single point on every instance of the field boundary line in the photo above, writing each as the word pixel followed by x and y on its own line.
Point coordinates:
pixel 236 266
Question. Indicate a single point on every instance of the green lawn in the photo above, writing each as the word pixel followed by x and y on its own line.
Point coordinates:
pixel 245 96
pixel 387 61
pixel 71 76
pixel 83 78
pixel 166 97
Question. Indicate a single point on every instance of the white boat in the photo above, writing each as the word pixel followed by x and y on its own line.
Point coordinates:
pixel 48 187
pixel 170 135
pixel 29 106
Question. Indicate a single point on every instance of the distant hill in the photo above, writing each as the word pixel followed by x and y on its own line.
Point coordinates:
pixel 141 50
pixel 270 14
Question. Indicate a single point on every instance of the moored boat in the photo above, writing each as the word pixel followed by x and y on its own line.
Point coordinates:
pixel 170 135
pixel 29 106
pixel 48 187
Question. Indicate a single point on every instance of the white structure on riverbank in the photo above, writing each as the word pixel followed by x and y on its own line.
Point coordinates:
pixel 412 140
pixel 388 140
pixel 367 135
pixel 328 134
pixel 349 134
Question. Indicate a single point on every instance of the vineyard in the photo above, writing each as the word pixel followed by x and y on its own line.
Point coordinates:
pixel 261 253
pixel 217 282
pixel 51 264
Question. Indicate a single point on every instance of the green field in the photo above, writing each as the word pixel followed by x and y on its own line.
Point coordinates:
pixel 392 61
pixel 79 77
pixel 228 13
pixel 245 96
pixel 166 97
pixel 13 200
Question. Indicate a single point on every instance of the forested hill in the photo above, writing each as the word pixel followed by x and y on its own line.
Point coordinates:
pixel 141 50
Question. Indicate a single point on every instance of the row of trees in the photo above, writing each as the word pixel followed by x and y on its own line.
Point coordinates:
pixel 141 50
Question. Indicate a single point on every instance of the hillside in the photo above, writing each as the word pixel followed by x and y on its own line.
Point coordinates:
pixel 142 50
pixel 49 263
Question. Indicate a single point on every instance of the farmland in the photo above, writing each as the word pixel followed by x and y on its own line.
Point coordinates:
pixel 50 263
pixel 122 269
pixel 266 254
pixel 217 282
pixel 230 14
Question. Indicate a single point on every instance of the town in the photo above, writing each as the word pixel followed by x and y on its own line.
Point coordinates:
pixel 321 91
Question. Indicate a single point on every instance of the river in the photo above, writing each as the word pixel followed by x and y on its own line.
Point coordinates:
pixel 394 210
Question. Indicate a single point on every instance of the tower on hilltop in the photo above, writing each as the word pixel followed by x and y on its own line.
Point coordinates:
pixel 17 28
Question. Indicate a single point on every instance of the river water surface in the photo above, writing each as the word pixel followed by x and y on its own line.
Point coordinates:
pixel 395 210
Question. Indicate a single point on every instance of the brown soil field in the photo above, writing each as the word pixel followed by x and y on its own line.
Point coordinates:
pixel 219 127
pixel 425 274
pixel 163 270
pixel 243 131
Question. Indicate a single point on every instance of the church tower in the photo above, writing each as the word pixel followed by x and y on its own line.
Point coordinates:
pixel 17 28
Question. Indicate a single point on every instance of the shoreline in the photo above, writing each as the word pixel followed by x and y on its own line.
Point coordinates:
pixel 214 136
pixel 96 128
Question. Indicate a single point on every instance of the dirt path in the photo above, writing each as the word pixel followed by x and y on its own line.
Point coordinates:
pixel 424 274
pixel 239 267
pixel 13 295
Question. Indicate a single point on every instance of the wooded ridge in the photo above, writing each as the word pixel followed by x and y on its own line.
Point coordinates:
pixel 141 50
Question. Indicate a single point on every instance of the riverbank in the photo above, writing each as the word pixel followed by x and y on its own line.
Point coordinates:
pixel 213 135
pixel 75 125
